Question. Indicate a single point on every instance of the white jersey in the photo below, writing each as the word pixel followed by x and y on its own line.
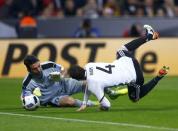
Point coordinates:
pixel 118 72
pixel 101 75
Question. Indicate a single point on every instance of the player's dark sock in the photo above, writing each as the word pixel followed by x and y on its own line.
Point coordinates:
pixel 134 44
pixel 146 88
pixel 136 91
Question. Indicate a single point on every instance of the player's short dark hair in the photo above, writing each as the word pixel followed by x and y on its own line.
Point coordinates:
pixel 86 23
pixel 76 72
pixel 29 60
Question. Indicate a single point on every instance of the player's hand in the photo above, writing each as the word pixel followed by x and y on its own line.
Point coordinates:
pixel 37 92
pixel 55 76
pixel 83 107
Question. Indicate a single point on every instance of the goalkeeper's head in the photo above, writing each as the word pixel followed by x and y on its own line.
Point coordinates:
pixel 32 64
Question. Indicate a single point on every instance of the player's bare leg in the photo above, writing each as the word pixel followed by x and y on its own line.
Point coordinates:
pixel 68 101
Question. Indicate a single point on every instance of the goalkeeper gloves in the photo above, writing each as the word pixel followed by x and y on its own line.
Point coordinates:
pixel 55 76
pixel 37 92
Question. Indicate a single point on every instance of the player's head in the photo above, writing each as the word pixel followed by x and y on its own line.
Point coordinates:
pixel 86 23
pixel 32 64
pixel 76 72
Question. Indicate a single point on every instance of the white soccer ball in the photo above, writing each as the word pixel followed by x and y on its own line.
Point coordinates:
pixel 31 102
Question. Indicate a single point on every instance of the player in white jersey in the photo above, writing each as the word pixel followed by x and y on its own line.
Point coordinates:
pixel 125 70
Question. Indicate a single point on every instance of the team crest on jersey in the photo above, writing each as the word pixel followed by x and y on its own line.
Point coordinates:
pixel 91 71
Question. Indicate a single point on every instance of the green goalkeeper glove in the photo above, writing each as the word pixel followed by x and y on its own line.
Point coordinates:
pixel 55 76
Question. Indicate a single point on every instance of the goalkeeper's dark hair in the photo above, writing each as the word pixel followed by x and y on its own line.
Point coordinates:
pixel 29 60
pixel 76 72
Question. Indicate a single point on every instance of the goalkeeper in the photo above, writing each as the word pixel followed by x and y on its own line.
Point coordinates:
pixel 45 81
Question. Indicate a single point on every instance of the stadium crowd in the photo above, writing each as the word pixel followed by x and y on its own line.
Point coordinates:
pixel 88 8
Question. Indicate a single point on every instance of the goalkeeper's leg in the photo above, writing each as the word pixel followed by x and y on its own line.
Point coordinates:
pixel 68 101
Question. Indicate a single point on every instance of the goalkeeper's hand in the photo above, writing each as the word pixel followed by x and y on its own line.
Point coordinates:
pixel 55 76
pixel 83 107
pixel 37 92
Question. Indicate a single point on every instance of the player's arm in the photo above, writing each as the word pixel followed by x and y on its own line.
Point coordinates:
pixel 85 99
pixel 26 86
pixel 30 88
pixel 26 91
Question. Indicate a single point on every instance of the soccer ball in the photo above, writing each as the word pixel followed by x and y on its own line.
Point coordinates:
pixel 31 102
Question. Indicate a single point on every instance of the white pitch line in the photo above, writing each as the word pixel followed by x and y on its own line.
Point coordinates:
pixel 90 121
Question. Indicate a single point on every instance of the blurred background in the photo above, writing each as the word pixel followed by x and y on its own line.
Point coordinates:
pixel 108 18
pixel 49 28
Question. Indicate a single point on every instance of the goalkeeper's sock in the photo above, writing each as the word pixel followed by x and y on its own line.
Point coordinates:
pixel 78 103
pixel 92 103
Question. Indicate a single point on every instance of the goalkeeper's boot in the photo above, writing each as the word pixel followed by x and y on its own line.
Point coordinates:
pixel 150 33
pixel 163 71
pixel 114 94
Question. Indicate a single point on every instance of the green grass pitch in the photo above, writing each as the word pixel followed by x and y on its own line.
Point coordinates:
pixel 157 111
